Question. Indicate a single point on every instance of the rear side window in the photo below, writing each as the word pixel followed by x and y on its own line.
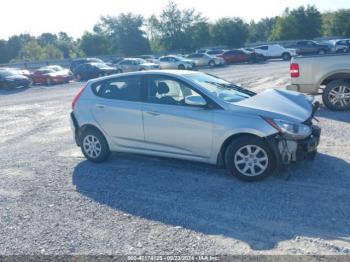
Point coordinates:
pixel 122 88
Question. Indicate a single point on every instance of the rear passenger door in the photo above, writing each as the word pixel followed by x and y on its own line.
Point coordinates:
pixel 118 111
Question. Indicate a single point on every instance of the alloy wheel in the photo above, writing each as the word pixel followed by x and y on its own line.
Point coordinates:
pixel 340 96
pixel 251 160
pixel 92 146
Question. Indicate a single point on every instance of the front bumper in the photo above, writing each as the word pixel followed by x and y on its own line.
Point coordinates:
pixel 289 151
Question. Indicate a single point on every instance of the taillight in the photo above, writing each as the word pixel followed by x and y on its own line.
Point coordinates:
pixel 75 99
pixel 294 70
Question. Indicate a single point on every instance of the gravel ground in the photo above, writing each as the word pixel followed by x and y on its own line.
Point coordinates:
pixel 52 201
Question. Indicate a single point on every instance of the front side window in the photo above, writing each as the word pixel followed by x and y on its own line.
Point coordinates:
pixel 123 88
pixel 167 91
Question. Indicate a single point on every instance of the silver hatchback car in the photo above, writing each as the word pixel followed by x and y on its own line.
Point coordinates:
pixel 194 116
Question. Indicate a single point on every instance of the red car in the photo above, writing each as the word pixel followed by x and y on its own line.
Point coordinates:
pixel 241 56
pixel 51 75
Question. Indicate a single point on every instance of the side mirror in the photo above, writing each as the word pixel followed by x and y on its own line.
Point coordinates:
pixel 195 100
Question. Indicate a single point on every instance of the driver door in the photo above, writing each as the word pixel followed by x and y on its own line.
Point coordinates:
pixel 171 126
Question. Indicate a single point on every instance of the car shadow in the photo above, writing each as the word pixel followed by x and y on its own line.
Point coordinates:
pixel 309 199
pixel 343 116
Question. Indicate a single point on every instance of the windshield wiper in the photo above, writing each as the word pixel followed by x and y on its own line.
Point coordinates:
pixel 234 87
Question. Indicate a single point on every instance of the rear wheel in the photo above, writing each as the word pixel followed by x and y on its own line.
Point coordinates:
pixel 321 52
pixel 286 56
pixel 94 146
pixel 48 81
pixel 181 67
pixel 250 158
pixel 336 95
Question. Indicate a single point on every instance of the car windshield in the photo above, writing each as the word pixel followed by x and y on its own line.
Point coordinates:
pixel 222 89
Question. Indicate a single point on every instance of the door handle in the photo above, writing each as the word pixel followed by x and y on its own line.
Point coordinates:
pixel 153 113
pixel 100 106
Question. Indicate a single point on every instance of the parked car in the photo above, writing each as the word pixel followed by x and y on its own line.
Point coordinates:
pixel 215 52
pixel 49 76
pixel 342 46
pixel 9 79
pixel 17 71
pixel 240 56
pixel 135 64
pixel 93 70
pixel 328 75
pixel 307 47
pixel 149 58
pixel 77 62
pixel 202 59
pixel 275 51
pixel 175 62
pixel 194 116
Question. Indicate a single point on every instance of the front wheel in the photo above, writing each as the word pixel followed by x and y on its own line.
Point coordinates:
pixel 321 52
pixel 250 158
pixel 94 146
pixel 181 67
pixel 336 95
pixel 211 63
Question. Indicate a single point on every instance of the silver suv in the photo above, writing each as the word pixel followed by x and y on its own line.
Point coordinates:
pixel 194 116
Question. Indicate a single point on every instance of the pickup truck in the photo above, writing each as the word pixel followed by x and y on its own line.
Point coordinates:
pixel 328 75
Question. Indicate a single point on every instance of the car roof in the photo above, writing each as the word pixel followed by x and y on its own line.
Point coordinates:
pixel 174 73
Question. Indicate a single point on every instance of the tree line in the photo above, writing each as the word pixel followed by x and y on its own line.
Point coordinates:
pixel 174 29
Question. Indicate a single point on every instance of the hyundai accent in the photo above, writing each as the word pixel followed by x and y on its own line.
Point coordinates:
pixel 194 116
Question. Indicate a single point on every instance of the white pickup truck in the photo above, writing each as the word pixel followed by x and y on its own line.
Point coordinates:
pixel 328 75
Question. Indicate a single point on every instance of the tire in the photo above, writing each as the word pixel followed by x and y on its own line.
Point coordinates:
pixel 248 146
pixel 78 77
pixel 94 146
pixel 48 81
pixel 321 52
pixel 119 71
pixel 336 95
pixel 181 67
pixel 211 63
pixel 286 56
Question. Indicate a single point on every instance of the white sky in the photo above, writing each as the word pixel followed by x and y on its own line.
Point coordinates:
pixel 77 16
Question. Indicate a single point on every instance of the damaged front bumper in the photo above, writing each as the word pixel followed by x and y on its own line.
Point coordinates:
pixel 287 151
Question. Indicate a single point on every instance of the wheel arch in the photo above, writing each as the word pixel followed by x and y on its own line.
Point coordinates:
pixel 345 75
pixel 221 155
pixel 85 127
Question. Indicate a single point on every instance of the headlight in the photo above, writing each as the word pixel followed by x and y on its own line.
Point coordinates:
pixel 290 130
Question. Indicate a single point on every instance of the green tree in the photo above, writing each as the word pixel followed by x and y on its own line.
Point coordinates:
pixel 336 23
pixel 47 39
pixel 32 51
pixel 174 27
pixel 299 23
pixel 232 32
pixel 260 31
pixel 16 42
pixel 124 33
pixel 93 44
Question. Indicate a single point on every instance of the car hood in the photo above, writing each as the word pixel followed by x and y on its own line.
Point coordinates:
pixel 280 103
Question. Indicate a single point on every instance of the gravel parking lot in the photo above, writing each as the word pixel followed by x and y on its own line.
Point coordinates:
pixel 53 201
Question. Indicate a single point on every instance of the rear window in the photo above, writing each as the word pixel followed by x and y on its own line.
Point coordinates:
pixel 122 88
